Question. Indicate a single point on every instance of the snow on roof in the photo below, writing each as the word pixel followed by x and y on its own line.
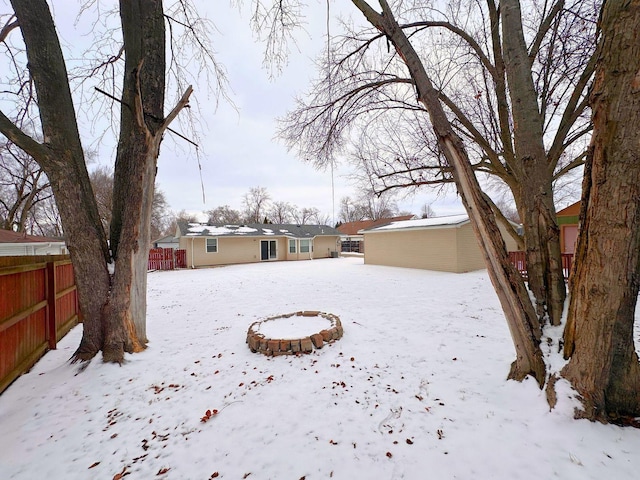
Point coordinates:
pixel 197 229
pixel 450 220
pixel 255 229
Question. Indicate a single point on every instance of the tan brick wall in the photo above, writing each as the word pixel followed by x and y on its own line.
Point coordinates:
pixel 433 249
pixel 323 246
pixel 234 250
pixel 442 249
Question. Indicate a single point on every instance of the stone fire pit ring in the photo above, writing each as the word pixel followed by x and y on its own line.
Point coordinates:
pixel 281 335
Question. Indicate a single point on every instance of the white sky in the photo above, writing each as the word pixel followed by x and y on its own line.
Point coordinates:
pixel 238 149
pixel 415 389
pixel 238 146
pixel 241 151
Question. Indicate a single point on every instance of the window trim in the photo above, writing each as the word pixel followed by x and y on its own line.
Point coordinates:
pixel 206 245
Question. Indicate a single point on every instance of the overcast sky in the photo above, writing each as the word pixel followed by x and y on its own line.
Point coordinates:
pixel 238 149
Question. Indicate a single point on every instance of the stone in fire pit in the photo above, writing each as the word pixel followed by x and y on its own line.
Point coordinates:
pixel 294 333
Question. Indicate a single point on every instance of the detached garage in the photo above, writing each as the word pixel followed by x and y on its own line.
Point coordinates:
pixel 445 244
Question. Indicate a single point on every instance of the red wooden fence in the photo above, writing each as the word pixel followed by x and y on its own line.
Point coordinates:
pixel 519 260
pixel 167 259
pixel 38 306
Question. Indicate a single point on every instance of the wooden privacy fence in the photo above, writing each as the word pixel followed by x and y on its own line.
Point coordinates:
pixel 519 260
pixel 167 259
pixel 38 306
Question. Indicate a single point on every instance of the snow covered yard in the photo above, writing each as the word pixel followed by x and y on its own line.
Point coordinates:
pixel 415 389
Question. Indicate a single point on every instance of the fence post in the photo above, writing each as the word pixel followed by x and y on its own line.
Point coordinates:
pixel 51 305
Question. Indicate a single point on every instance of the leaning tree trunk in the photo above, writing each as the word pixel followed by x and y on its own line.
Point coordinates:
pixel 521 318
pixel 541 232
pixel 62 158
pixel 113 322
pixel 604 366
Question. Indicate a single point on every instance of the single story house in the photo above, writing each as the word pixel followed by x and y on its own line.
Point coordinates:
pixel 166 242
pixel 567 219
pixel 445 244
pixel 219 244
pixel 18 243
pixel 353 241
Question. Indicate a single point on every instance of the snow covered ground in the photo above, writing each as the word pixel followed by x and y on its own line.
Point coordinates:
pixel 415 389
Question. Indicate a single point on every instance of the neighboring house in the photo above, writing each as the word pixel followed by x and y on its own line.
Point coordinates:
pixel 445 244
pixel 167 242
pixel 568 222
pixel 353 241
pixel 219 244
pixel 16 243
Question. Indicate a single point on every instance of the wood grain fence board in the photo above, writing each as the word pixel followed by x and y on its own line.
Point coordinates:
pixel 38 306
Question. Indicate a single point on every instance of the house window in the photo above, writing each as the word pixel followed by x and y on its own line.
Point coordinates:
pixel 212 245
pixel 292 246
pixel 305 246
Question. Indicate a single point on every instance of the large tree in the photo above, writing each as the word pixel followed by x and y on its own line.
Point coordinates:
pixel 603 365
pixel 513 88
pixel 110 277
pixel 23 188
pixel 256 203
pixel 521 318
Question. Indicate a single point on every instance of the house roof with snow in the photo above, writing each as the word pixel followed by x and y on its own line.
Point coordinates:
pixel 422 223
pixel 255 230
pixel 352 228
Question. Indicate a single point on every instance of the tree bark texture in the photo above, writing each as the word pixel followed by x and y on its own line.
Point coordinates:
pixel 113 306
pixel 604 366
pixel 521 318
pixel 62 158
pixel 141 115
pixel 532 170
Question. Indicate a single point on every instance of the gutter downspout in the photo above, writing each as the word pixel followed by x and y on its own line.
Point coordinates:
pixel 192 266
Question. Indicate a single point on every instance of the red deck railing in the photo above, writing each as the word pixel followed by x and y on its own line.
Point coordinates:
pixel 519 260
pixel 167 259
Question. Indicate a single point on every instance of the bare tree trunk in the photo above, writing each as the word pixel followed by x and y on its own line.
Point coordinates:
pixel 138 149
pixel 113 306
pixel 521 318
pixel 604 366
pixel 541 232
pixel 62 158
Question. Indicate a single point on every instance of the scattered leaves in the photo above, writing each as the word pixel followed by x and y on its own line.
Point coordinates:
pixel 208 415
pixel 119 476
pixel 332 442
pixel 409 441
pixel 214 475
pixel 162 471
pixel 389 455
pixel 94 464
pixel 440 434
